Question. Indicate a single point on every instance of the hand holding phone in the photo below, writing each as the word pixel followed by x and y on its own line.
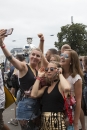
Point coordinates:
pixel 9 31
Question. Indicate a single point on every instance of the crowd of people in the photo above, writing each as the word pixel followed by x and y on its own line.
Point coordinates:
pixel 44 84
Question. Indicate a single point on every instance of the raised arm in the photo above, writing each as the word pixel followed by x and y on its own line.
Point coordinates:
pixel 65 85
pixel 44 62
pixel 41 44
pixel 36 92
pixel 18 64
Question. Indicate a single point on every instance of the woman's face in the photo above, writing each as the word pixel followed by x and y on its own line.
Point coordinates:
pixel 35 57
pixel 65 59
pixel 53 59
pixel 51 70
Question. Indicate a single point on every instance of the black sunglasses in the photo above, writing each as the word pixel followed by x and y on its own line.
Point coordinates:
pixel 64 55
pixel 51 69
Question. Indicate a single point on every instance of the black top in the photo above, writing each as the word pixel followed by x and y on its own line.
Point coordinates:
pixel 28 80
pixel 52 102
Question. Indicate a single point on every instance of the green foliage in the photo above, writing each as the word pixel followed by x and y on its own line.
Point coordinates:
pixel 75 35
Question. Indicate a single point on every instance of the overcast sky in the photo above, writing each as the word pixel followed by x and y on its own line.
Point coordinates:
pixel 30 17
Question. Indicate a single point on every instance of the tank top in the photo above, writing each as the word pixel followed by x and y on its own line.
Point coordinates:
pixel 53 101
pixel 28 80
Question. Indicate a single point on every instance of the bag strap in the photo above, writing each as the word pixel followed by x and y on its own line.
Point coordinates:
pixel 68 106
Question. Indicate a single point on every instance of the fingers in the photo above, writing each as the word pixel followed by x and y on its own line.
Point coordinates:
pixel 40 35
pixel 59 70
pixel 42 69
pixel 42 38
pixel 2 33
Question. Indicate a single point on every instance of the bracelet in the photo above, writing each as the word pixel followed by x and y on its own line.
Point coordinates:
pixel 3 46
pixel 9 57
pixel 38 78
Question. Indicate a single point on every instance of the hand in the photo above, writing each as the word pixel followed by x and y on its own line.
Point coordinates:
pixel 27 93
pixel 59 70
pixel 40 35
pixel 2 36
pixel 41 72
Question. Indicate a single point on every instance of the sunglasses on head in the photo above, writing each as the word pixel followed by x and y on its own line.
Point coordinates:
pixel 64 55
pixel 51 69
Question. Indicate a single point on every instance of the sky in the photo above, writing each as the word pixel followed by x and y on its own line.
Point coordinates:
pixel 30 17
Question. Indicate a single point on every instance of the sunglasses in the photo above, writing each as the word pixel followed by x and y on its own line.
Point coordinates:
pixel 64 55
pixel 51 69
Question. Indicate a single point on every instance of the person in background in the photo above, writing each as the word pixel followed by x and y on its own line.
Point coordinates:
pixel 82 117
pixel 55 58
pixel 85 80
pixel 50 52
pixel 15 90
pixel 2 104
pixel 14 77
pixel 52 116
pixel 72 71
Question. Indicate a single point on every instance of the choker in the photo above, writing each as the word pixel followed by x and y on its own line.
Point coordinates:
pixel 55 80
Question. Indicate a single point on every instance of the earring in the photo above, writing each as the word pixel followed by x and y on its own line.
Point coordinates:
pixel 70 63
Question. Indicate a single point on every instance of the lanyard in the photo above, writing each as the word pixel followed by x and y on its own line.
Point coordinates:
pixel 33 70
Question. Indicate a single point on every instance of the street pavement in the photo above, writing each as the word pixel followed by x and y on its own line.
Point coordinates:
pixel 10 113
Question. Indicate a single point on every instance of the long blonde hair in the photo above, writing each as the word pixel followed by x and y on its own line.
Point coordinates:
pixel 75 67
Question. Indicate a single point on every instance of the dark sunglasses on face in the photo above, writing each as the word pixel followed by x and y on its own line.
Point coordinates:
pixel 51 69
pixel 64 55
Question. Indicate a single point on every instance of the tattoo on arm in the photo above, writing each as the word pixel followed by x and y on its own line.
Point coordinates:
pixel 9 57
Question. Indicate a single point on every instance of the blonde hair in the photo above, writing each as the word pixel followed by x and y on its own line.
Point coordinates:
pixel 56 63
pixel 57 57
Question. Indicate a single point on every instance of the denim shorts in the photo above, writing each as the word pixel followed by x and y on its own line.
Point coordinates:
pixel 27 109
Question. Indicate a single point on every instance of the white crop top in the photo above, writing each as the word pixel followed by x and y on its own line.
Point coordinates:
pixel 72 81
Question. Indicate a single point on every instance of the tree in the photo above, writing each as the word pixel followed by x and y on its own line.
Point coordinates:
pixel 75 35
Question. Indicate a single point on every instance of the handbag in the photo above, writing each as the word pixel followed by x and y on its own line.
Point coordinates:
pixel 9 98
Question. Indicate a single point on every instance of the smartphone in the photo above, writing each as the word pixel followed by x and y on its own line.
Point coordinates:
pixel 9 31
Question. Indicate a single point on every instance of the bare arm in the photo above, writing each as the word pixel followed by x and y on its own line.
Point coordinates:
pixel 35 91
pixel 41 44
pixel 44 62
pixel 65 85
pixel 19 65
pixel 78 96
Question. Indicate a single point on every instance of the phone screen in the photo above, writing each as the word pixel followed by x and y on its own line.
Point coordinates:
pixel 9 31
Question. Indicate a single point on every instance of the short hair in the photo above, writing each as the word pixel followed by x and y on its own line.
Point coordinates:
pixel 53 51
pixel 20 57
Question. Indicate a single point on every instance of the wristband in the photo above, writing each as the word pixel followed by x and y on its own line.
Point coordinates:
pixel 38 78
pixel 3 46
